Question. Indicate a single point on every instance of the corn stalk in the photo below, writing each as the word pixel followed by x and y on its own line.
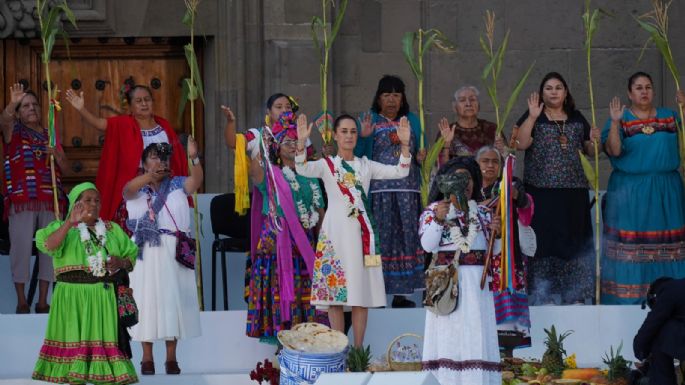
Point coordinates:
pixel 193 89
pixel 319 25
pixel 414 46
pixel 493 68
pixel 590 22
pixel 50 22
pixel 655 23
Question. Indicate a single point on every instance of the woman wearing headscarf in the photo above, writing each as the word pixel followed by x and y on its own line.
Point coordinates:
pixel 461 347
pixel 164 289
pixel 84 340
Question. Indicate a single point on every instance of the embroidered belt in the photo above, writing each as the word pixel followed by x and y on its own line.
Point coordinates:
pixel 80 276
pixel 473 258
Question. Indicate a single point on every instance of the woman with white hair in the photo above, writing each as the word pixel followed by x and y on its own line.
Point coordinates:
pixel 470 132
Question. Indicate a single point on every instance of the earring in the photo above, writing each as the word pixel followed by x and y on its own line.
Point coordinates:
pixel 267 120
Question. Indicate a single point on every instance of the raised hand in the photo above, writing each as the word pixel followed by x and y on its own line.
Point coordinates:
pixel 303 130
pixel 192 147
pixel 534 105
pixel 17 93
pixel 404 131
pixel 446 131
pixel 78 213
pixel 367 126
pixel 228 113
pixel 616 109
pixel 75 99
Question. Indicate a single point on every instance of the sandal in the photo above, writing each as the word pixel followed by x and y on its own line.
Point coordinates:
pixel 147 367
pixel 172 367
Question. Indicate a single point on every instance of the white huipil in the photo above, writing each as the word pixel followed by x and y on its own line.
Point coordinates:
pixel 461 348
pixel 340 277
pixel 164 290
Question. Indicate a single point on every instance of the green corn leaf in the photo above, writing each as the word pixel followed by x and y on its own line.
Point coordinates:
pixel 428 42
pixel 514 95
pixel 408 50
pixel 68 13
pixel 588 170
pixel 316 22
pixel 443 43
pixel 188 18
pixel 500 54
pixel 340 14
pixel 427 166
pixel 192 62
pixel 492 92
pixel 488 68
pixel 485 47
pixel 185 93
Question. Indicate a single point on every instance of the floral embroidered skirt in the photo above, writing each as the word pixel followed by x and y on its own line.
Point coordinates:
pixel 81 338
pixel 397 216
pixel 263 294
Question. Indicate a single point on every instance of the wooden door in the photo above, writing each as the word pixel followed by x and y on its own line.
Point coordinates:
pixel 99 68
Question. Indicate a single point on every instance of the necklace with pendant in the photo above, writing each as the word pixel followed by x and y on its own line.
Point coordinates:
pixel 647 129
pixel 563 139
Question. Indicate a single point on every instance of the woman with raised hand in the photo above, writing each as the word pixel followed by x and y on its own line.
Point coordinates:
pixel 28 195
pixel 84 340
pixel 347 268
pixel 644 217
pixel 552 132
pixel 397 201
pixel 164 289
pixel 125 138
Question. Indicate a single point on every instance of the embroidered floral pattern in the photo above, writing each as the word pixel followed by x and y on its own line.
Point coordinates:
pixel 462 365
pixel 329 283
pixel 307 213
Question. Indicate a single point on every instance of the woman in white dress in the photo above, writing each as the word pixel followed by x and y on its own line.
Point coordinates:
pixel 347 268
pixel 164 289
pixel 461 348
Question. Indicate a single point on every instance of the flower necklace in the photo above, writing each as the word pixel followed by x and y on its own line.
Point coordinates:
pixel 93 247
pixel 462 242
pixel 309 216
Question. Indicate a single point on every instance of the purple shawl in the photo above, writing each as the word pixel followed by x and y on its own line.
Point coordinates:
pixel 292 231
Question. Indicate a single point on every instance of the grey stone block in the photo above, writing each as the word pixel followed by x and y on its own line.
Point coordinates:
pixel 302 11
pixel 352 22
pixel 535 24
pixel 346 61
pixel 303 64
pixel 370 21
pixel 399 17
pixel 470 22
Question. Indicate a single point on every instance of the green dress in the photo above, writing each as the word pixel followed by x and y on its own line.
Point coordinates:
pixel 81 338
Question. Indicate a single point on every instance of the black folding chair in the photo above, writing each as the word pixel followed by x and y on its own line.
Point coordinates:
pixel 226 222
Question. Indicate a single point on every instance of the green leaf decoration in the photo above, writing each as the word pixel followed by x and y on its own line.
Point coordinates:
pixel 588 170
pixel 427 167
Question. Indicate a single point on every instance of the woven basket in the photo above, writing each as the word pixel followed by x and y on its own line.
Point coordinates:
pixel 402 366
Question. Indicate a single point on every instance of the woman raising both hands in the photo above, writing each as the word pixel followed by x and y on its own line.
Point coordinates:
pixel 347 268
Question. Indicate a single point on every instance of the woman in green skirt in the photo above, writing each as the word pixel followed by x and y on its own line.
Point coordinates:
pixel 82 340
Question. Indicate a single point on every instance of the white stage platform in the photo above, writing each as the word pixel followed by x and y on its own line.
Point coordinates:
pixel 225 355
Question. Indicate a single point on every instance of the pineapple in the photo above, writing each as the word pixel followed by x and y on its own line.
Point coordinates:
pixel 619 367
pixel 553 359
pixel 358 359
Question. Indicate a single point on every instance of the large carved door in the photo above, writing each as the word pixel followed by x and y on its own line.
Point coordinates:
pixel 99 68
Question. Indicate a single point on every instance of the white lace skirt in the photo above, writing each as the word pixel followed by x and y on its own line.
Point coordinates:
pixel 166 295
pixel 461 348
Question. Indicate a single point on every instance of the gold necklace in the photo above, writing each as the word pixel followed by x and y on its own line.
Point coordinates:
pixel 563 139
pixel 647 129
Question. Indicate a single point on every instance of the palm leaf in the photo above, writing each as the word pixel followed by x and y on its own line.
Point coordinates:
pixel 588 170
pixel 514 95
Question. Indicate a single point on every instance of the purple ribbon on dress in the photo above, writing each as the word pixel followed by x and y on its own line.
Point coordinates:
pixel 292 231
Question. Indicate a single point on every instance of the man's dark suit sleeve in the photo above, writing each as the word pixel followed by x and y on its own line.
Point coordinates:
pixel 657 317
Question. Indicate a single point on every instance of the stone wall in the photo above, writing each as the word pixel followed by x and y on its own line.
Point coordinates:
pixel 257 47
